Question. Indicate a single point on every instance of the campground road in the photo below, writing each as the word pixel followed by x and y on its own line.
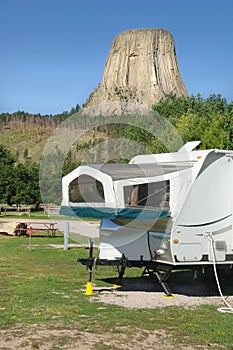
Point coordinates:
pixel 84 228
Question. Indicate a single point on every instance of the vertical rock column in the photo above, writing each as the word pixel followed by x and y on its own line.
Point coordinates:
pixel 141 69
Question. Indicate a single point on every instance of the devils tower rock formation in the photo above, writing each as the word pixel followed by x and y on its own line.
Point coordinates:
pixel 140 70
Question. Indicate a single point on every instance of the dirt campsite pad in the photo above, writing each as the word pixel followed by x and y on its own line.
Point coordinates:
pixel 144 300
pixel 186 292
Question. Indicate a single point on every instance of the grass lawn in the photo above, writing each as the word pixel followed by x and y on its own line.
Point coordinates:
pixel 35 214
pixel 42 289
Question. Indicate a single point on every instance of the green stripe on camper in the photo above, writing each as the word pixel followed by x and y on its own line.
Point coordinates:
pixel 110 213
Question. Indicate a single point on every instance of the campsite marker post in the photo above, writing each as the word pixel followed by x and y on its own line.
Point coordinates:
pixel 30 232
pixel 66 235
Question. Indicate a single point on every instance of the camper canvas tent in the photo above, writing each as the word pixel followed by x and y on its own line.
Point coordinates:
pixel 160 211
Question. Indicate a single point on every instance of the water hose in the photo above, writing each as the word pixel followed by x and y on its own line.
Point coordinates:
pixel 228 308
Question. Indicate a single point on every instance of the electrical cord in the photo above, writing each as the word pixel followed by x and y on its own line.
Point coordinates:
pixel 228 308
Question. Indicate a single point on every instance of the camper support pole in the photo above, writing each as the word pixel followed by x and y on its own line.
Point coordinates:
pixel 162 281
pixel 121 269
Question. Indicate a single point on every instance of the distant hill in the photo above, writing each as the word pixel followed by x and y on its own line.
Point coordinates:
pixel 25 134
pixel 209 120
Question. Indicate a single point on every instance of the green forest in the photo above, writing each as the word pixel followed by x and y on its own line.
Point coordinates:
pixel 209 120
pixel 19 183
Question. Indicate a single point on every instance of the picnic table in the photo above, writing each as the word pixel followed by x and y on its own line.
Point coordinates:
pixel 49 227
pixel 15 210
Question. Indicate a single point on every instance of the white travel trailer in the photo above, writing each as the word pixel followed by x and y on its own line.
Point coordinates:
pixel 160 211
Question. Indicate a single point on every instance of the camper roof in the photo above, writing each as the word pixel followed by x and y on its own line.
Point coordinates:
pixel 129 171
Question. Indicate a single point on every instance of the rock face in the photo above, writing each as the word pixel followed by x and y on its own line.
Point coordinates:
pixel 140 70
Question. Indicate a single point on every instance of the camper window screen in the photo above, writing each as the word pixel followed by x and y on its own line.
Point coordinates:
pixel 150 195
pixel 86 189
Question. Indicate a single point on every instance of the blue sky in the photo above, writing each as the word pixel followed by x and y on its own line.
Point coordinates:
pixel 53 52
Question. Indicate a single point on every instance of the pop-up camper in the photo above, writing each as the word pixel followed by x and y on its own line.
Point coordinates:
pixel 160 211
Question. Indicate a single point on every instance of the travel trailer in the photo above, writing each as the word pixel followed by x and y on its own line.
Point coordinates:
pixel 160 212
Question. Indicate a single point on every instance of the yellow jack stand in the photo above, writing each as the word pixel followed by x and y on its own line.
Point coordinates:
pixel 89 290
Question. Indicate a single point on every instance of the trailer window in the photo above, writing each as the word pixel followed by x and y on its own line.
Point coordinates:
pixel 154 195
pixel 85 188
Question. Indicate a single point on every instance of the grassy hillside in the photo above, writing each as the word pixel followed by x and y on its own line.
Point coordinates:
pixel 25 140
pixel 209 120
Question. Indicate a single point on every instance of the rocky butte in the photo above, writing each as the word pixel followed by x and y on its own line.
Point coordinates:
pixel 141 69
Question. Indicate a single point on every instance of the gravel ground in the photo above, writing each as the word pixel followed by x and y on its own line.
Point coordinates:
pixel 145 300
pixel 186 292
